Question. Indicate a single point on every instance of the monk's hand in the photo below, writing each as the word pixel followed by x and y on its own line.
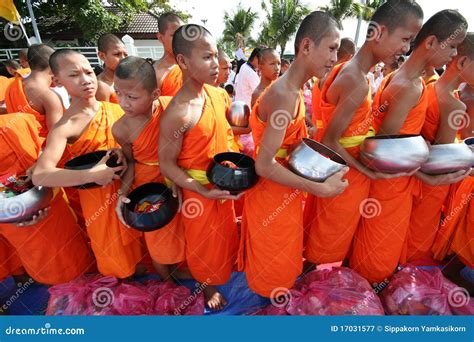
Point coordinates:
pixel 446 179
pixel 102 174
pixel 40 215
pixel 177 193
pixel 333 186
pixel 121 159
pixel 29 173
pixel 122 200
pixel 218 194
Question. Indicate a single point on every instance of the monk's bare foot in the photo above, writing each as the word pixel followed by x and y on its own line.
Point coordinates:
pixel 214 299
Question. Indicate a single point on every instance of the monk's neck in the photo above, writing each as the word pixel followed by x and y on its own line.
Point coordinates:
pixel 365 58
pixel 41 77
pixel 192 89
pixel 415 66
pixel 84 104
pixel 107 76
pixel 265 82
pixel 449 80
pixel 168 59
pixel 298 74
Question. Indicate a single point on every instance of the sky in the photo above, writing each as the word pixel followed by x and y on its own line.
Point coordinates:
pixel 212 11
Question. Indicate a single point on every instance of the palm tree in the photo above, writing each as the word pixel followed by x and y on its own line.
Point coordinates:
pixel 343 9
pixel 283 18
pixel 241 21
pixel 368 9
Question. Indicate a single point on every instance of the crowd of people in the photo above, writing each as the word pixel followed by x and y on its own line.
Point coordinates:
pixel 166 119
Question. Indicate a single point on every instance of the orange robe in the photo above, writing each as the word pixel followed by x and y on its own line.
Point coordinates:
pixel 209 225
pixel 114 98
pixel 333 221
pixel 165 245
pixel 380 239
pixel 316 115
pixel 172 82
pixel 272 222
pixel 427 209
pixel 23 72
pixel 10 263
pixel 455 232
pixel 4 84
pixel 53 250
pixel 117 248
pixel 16 101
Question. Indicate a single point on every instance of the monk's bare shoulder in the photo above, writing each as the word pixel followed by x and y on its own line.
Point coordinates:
pixel 351 84
pixel 280 97
pixel 401 88
pixel 120 129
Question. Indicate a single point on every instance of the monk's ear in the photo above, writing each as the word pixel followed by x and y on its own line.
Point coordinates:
pixel 56 81
pixel 156 93
pixel 159 36
pixel 430 41
pixel 305 45
pixel 462 62
pixel 101 55
pixel 181 60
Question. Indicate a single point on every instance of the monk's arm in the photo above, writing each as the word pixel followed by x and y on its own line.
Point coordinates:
pixel 401 99
pixel 119 131
pixel 446 133
pixel 277 110
pixel 103 92
pixel 47 173
pixel 468 130
pixel 350 95
pixel 53 108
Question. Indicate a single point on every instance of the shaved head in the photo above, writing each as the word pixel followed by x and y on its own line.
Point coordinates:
pixel 185 38
pixel 38 56
pixel 466 48
pixel 346 50
pixel 137 69
pixel 266 52
pixel 315 26
pixel 106 41
pixel 444 25
pixel 59 55
pixel 394 14
pixel 167 18
pixel 221 54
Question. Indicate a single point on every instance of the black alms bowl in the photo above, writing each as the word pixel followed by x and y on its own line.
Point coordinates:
pixel 236 180
pixel 88 161
pixel 148 222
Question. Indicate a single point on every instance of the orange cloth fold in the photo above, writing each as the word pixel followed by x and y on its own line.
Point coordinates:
pixel 272 222
pixel 380 239
pixel 4 84
pixel 172 82
pixel 165 245
pixel 209 225
pixel 53 250
pixel 332 222
pixel 16 101
pixel 116 247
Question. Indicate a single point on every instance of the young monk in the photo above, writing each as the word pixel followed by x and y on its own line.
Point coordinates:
pixel 272 223
pixel 87 127
pixel 33 94
pixel 193 130
pixel 51 249
pixel 345 109
pixel 168 74
pixel 439 128
pixel 225 67
pixel 137 133
pixel 23 58
pixel 269 66
pixel 401 104
pixel 111 52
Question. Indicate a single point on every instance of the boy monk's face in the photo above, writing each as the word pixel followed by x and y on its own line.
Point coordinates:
pixel 324 55
pixel 393 44
pixel 269 65
pixel 133 97
pixel 443 52
pixel 466 69
pixel 77 76
pixel 202 64
pixel 114 54
pixel 167 38
pixel 224 70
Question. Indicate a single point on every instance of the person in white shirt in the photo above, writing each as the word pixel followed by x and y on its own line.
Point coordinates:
pixel 247 79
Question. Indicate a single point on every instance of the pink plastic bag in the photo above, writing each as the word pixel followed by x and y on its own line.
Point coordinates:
pixel 132 299
pixel 415 291
pixel 172 299
pixel 340 291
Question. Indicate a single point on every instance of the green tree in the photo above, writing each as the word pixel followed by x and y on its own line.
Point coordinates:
pixel 343 9
pixel 283 18
pixel 240 21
